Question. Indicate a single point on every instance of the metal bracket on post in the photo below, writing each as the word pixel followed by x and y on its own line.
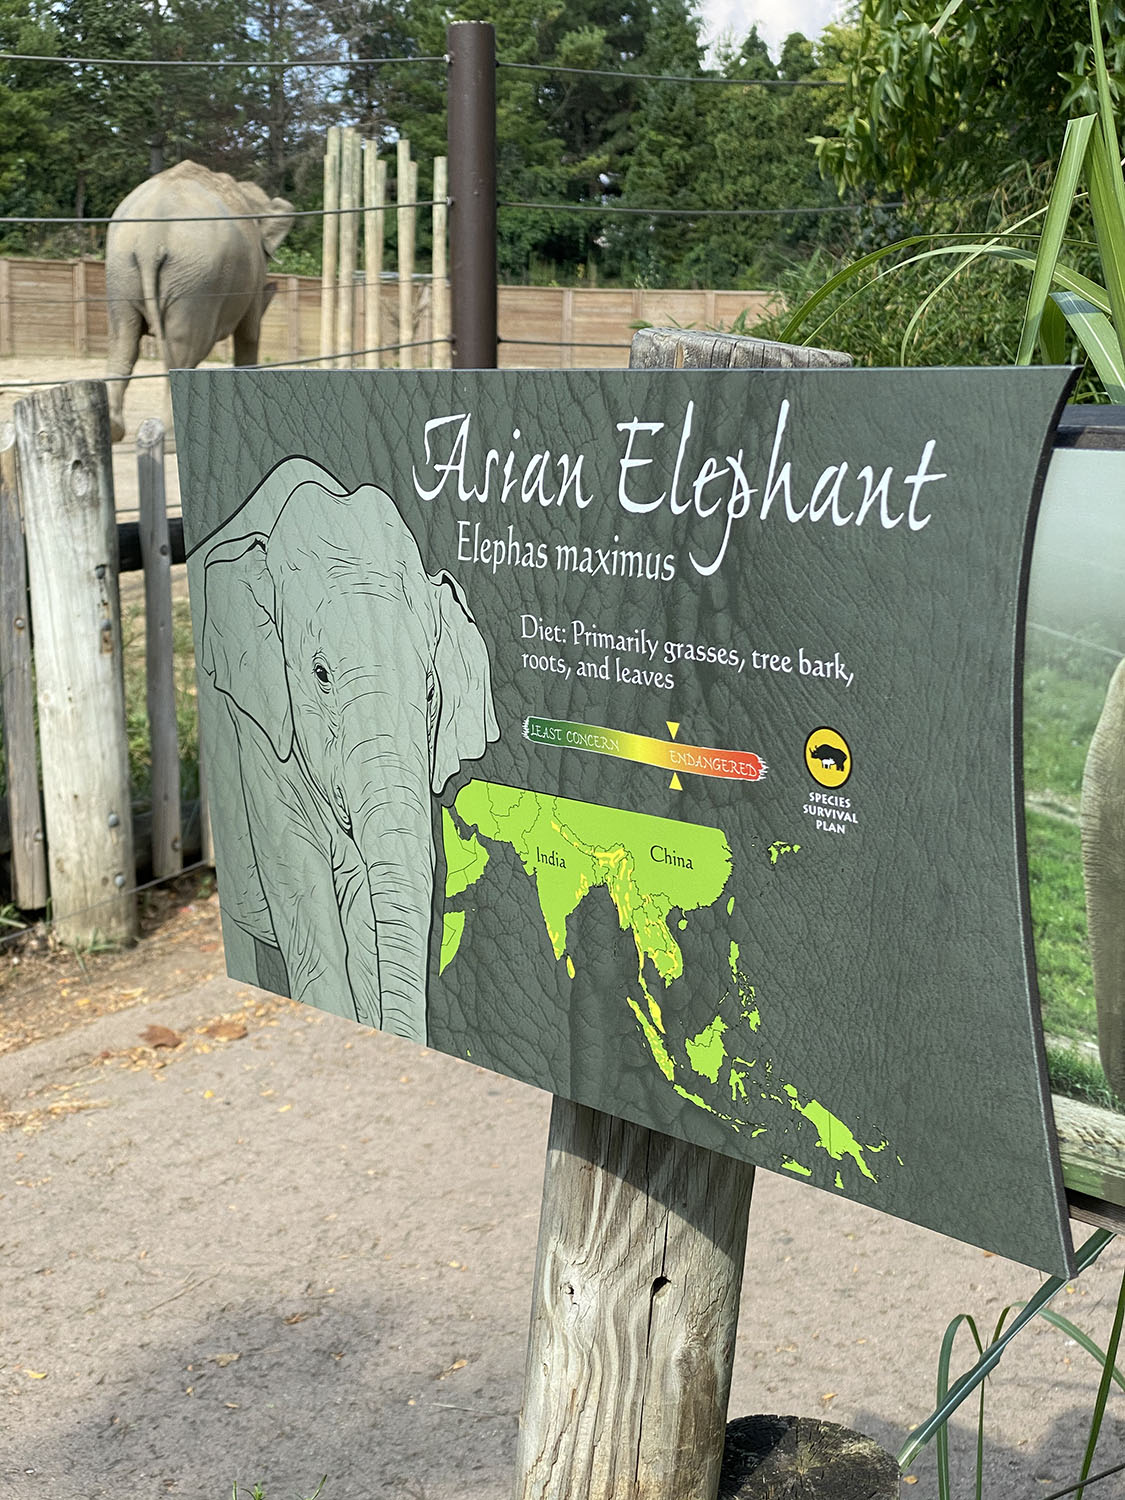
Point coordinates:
pixel 472 193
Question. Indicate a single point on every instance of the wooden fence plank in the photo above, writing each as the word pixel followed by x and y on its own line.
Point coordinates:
pixel 81 310
pixel 66 479
pixel 374 202
pixel 349 239
pixel 441 352
pixel 25 816
pixel 160 682
pixel 406 194
pixel 329 241
pixel 5 307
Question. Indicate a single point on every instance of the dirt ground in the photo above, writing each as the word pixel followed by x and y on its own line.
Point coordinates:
pixel 242 1240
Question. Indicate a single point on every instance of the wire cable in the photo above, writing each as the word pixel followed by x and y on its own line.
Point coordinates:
pixel 179 62
pixel 625 77
pixel 1085 1483
pixel 281 364
pixel 295 213
pixel 697 213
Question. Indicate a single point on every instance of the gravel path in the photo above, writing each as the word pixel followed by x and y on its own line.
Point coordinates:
pixel 259 1244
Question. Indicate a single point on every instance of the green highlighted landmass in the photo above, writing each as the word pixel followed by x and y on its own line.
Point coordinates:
pixel 654 872
pixel 650 867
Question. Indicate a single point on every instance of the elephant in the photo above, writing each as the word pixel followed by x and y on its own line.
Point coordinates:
pixel 188 284
pixel 1103 859
pixel 356 685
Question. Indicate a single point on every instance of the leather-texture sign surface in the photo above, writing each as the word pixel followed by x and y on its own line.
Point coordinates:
pixel 651 737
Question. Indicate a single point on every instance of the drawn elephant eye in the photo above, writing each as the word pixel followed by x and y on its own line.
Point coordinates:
pixel 321 673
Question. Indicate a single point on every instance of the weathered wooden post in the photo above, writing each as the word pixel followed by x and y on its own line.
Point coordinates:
pixel 29 861
pixel 329 241
pixel 439 266
pixel 62 436
pixel 349 239
pixel 406 195
pixel 374 202
pixel 641 1241
pixel 160 682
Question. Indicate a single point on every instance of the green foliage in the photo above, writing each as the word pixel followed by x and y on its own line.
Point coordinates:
pixel 725 148
pixel 1079 1075
pixel 955 112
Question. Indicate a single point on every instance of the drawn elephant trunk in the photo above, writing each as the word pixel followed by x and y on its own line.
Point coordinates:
pixel 358 685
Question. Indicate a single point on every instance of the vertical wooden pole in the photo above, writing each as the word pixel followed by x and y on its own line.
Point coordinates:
pixel 439 299
pixel 641 1242
pixel 293 316
pixel 81 310
pixel 349 237
pixel 637 1281
pixel 329 241
pixel 62 437
pixel 29 859
pixel 405 194
pixel 566 353
pixel 471 133
pixel 5 307
pixel 160 682
pixel 374 201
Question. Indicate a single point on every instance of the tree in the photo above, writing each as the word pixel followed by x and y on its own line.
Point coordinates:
pixel 951 113
pixel 721 147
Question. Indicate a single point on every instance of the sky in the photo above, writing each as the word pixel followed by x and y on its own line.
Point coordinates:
pixel 775 18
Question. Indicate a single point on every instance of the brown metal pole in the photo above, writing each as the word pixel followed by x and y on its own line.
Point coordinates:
pixel 472 191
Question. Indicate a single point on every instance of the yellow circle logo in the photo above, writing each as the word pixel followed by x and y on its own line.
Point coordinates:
pixel 828 757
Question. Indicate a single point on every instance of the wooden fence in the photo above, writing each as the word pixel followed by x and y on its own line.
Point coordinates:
pixel 78 846
pixel 58 308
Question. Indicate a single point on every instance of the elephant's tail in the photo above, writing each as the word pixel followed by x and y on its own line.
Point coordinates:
pixel 150 273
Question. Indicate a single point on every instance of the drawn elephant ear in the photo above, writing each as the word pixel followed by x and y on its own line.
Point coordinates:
pixel 466 718
pixel 242 650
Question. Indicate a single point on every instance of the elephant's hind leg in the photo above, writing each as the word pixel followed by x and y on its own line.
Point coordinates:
pixel 126 327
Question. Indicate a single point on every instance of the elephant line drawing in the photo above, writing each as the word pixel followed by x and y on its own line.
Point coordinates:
pixel 195 277
pixel 354 686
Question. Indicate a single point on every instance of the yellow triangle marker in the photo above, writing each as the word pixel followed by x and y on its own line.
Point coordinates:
pixel 673 729
pixel 675 785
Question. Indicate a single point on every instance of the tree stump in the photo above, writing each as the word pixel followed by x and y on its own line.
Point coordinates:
pixel 798 1458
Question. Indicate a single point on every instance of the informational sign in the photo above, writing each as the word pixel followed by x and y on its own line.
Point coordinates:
pixel 652 737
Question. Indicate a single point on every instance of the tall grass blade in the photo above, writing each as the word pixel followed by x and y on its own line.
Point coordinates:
pixel 944 1491
pixel 1059 206
pixel 1072 1331
pixel 1098 338
pixel 1052 334
pixel 1107 207
pixel 1105 105
pixel 968 1382
pixel 1103 1388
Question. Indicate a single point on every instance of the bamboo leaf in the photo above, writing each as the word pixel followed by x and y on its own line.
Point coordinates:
pixel 1096 334
pixel 1075 146
pixel 1107 207
pixel 947 15
pixel 1052 334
